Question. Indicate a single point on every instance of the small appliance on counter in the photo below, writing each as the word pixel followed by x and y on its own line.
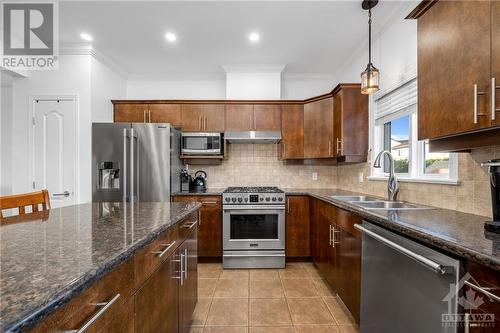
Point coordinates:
pixel 186 180
pixel 199 183
pixel 494 171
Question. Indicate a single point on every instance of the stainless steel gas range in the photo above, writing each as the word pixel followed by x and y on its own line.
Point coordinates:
pixel 253 227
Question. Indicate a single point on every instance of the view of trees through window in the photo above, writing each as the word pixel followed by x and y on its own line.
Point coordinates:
pixel 396 140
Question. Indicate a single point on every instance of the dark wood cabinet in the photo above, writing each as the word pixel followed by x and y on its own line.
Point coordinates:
pixel 130 113
pixel 292 131
pixel 457 59
pixel 203 117
pixel 318 128
pixel 188 288
pixel 210 224
pixel 495 62
pixel 239 117
pixel 165 113
pixel 350 123
pixel 267 117
pixel 297 227
pixel 489 280
pixel 156 302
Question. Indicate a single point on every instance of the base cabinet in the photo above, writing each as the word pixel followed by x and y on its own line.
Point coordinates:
pixel 297 227
pixel 188 287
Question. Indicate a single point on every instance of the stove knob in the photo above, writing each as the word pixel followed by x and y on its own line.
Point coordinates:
pixel 268 199
pixel 246 199
pixel 240 200
pixel 227 199
pixel 234 199
pixel 261 199
pixel 274 198
pixel 280 199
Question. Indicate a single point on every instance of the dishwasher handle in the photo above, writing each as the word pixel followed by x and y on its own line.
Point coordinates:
pixel 436 267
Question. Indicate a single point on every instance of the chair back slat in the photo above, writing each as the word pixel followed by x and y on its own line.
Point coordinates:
pixel 21 201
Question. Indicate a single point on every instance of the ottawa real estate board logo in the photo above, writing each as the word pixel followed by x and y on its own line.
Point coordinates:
pixel 30 39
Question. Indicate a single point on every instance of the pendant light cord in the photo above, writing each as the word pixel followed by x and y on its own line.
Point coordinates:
pixel 369 36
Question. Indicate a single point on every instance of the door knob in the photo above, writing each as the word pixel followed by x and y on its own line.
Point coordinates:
pixel 64 194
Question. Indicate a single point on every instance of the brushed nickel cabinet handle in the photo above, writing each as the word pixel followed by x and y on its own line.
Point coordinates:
pixel 200 123
pixel 162 253
pixel 105 307
pixel 483 291
pixel 205 124
pixel 288 204
pixel 494 108
pixel 186 264
pixel 149 116
pixel 144 115
pixel 331 233
pixel 329 147
pixel 339 146
pixel 190 225
pixel 254 121
pixel 476 95
pixel 284 149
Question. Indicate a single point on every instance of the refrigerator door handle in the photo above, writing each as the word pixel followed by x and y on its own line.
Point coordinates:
pixel 133 137
pixel 125 138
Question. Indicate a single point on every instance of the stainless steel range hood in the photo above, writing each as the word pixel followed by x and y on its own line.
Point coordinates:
pixel 253 137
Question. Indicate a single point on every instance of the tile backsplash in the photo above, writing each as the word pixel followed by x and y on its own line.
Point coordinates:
pixel 258 165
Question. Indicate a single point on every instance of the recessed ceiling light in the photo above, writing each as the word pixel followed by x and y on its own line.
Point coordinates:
pixel 86 37
pixel 171 37
pixel 254 37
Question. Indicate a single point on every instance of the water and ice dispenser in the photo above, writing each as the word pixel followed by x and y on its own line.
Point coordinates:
pixel 108 175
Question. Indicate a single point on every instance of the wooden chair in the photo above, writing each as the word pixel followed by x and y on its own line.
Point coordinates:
pixel 20 201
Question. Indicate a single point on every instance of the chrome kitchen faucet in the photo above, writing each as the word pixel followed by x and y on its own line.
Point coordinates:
pixel 392 184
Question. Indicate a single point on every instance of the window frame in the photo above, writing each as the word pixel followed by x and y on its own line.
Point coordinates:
pixel 416 167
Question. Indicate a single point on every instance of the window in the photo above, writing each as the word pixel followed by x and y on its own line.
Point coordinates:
pixel 394 128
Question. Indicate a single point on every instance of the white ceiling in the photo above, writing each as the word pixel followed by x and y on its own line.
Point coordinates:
pixel 308 37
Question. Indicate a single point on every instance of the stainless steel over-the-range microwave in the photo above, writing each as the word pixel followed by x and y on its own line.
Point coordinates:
pixel 202 143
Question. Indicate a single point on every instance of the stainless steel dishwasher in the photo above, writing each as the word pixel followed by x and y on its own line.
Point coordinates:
pixel 405 286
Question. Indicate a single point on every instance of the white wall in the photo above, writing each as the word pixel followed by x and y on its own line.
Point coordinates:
pixel 248 85
pixel 6 134
pixel 306 86
pixel 106 84
pixel 177 88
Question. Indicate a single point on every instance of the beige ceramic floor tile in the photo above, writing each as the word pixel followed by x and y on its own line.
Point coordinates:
pixel 225 329
pixel 293 271
pixel 228 312
pixel 309 311
pixel 341 315
pixel 322 287
pixel 266 289
pixel 317 329
pixel 272 329
pixel 206 287
pixel 209 267
pixel 349 329
pixel 265 312
pixel 201 311
pixel 209 275
pixel 196 330
pixel 299 288
pixel 234 274
pixel 232 288
pixel 264 274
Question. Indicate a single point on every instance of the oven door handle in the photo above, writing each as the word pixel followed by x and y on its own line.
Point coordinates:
pixel 254 255
pixel 250 207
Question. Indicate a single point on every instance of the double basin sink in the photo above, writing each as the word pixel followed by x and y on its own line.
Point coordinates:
pixel 372 203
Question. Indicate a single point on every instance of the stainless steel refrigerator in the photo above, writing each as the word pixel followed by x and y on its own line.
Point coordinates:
pixel 135 162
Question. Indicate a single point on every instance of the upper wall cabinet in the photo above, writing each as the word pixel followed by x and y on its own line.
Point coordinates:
pixel 318 128
pixel 147 113
pixel 249 117
pixel 350 129
pixel 458 64
pixel 292 131
pixel 203 117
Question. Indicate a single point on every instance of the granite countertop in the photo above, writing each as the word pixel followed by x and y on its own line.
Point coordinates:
pixel 45 262
pixel 209 191
pixel 455 232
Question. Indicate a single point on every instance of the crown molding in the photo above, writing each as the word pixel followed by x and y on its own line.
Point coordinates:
pixel 177 77
pixel 254 68
pixel 88 49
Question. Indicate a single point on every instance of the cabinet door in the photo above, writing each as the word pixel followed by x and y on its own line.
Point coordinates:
pixel 239 117
pixel 314 220
pixel 324 238
pixel 453 57
pixel 123 322
pixel 157 303
pixel 318 128
pixel 130 113
pixel 297 226
pixel 292 129
pixel 214 118
pixel 188 290
pixel 267 117
pixel 495 59
pixel 165 113
pixel 192 117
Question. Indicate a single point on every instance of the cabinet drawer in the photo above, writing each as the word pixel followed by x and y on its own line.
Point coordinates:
pixel 152 255
pixel 187 225
pixel 96 306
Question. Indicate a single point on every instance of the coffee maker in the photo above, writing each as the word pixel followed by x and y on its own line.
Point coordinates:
pixel 494 172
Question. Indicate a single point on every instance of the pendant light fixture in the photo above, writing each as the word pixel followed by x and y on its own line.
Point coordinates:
pixel 370 76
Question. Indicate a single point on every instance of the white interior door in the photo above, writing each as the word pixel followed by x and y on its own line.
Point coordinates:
pixel 54 148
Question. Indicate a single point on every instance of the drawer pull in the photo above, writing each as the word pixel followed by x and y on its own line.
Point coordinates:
pixel 105 307
pixel 191 225
pixel 483 291
pixel 162 253
pixel 209 202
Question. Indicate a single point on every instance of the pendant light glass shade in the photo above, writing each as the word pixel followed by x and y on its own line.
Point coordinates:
pixel 369 80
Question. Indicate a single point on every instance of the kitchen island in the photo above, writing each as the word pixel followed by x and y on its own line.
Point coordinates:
pixel 60 270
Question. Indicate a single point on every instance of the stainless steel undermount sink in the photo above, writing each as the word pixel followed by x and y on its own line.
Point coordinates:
pixel 354 198
pixel 389 205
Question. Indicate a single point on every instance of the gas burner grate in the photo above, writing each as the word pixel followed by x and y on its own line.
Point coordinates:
pixel 253 189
